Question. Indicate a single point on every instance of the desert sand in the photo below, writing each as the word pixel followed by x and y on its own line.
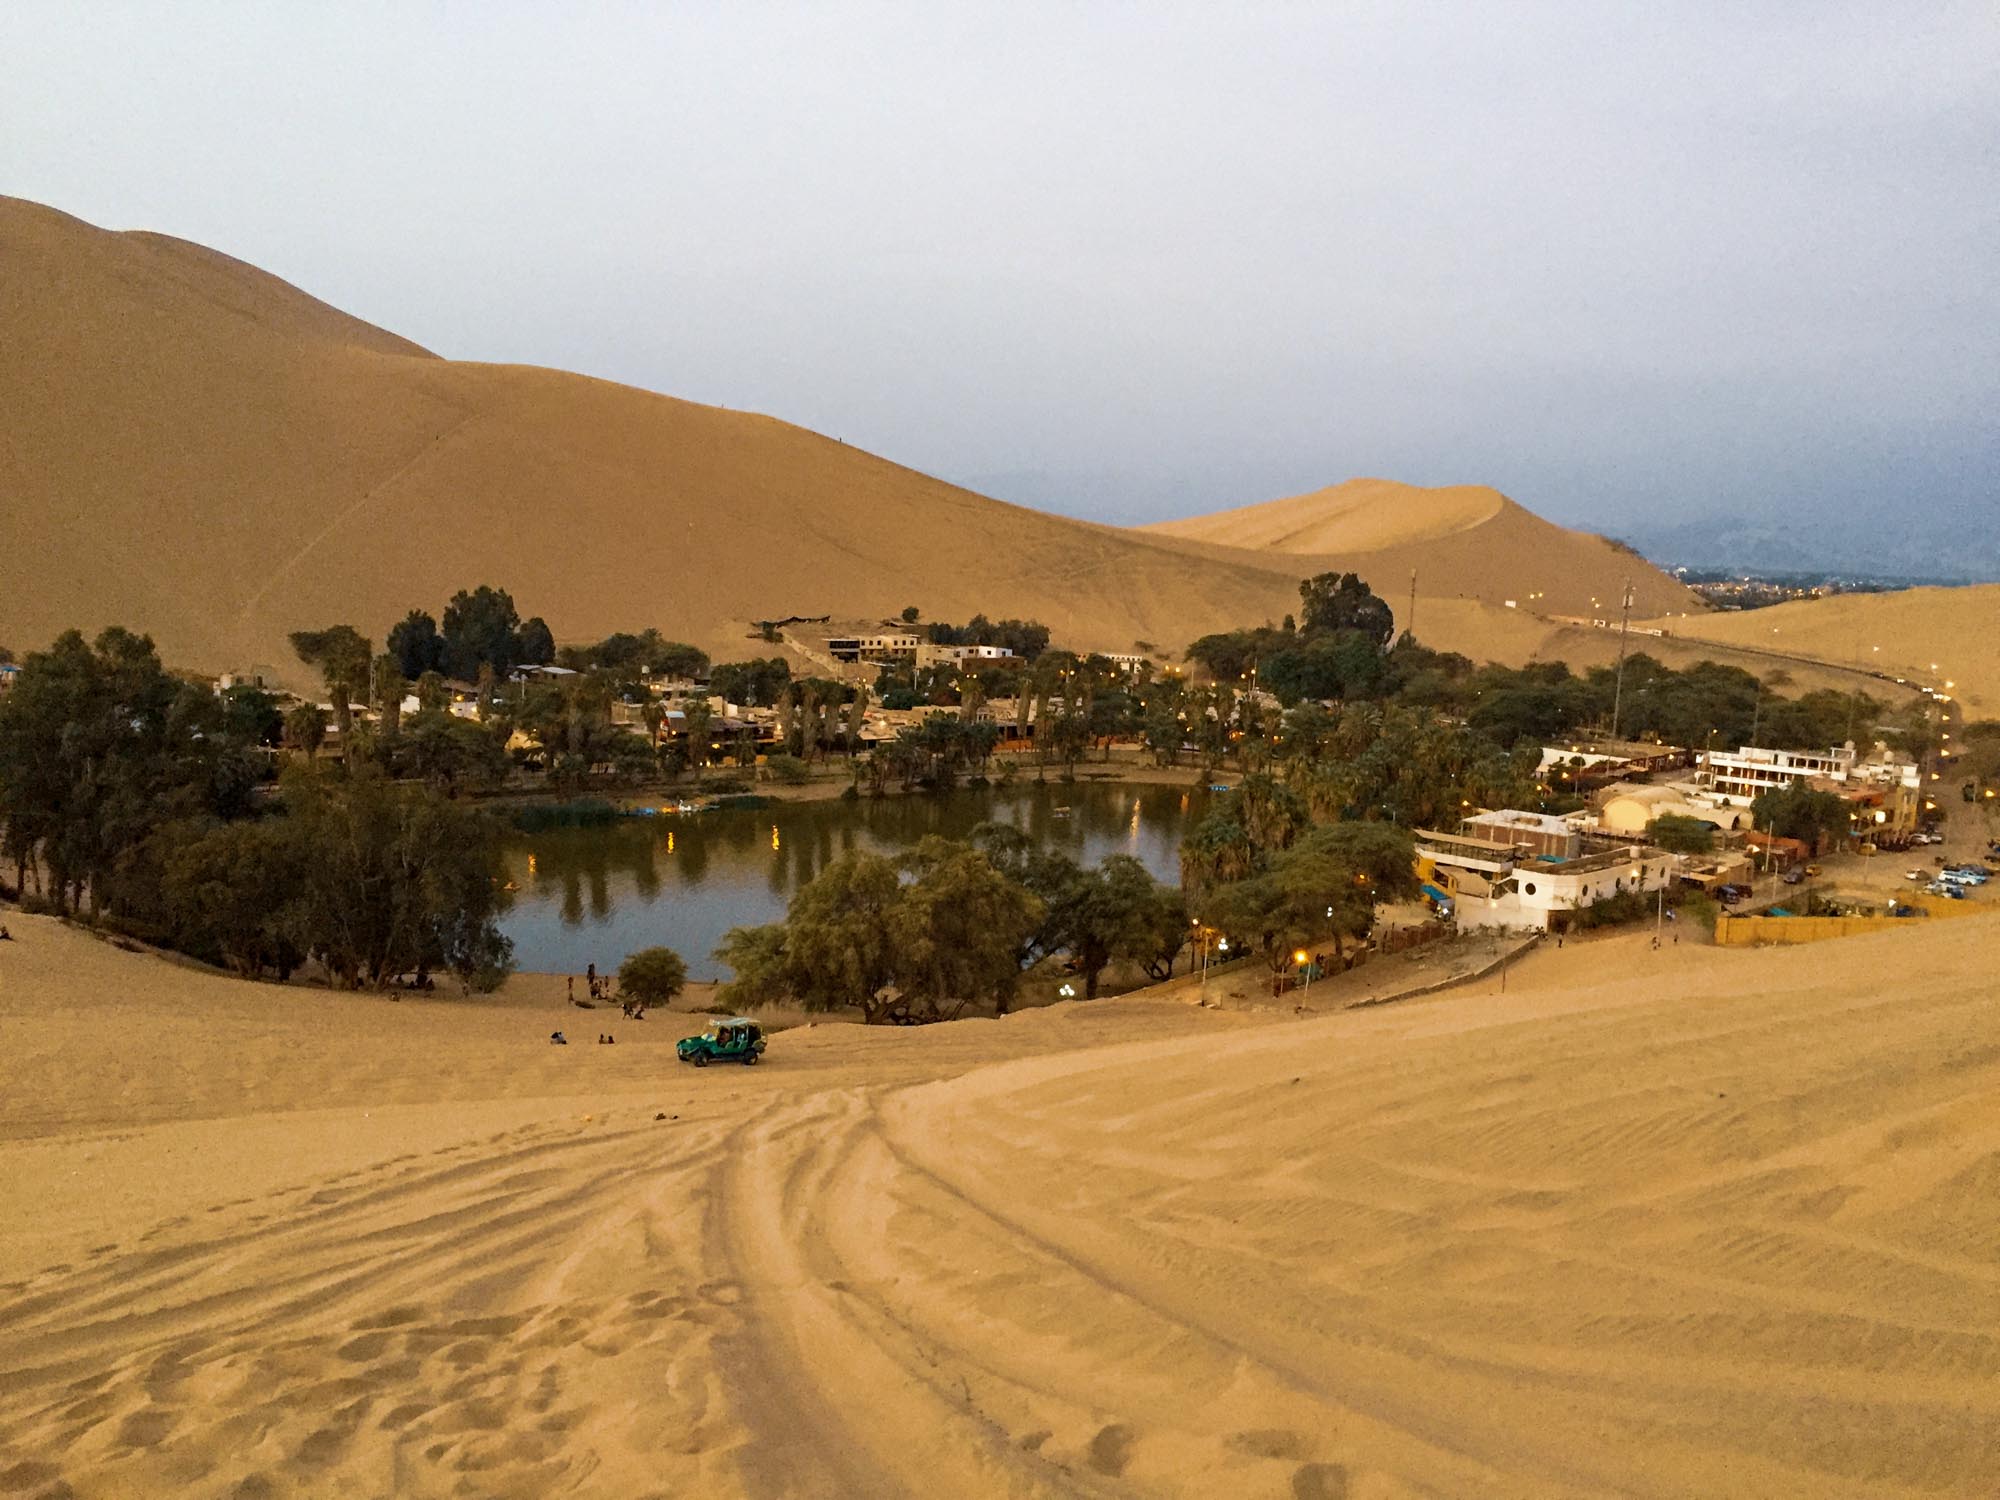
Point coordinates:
pixel 1672 1223
pixel 201 451
pixel 1463 542
pixel 1929 635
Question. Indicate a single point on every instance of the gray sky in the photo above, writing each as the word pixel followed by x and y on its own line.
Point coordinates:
pixel 1625 262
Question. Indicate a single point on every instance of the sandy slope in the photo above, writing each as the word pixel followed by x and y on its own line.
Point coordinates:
pixel 1902 633
pixel 1462 541
pixel 197 449
pixel 1651 1224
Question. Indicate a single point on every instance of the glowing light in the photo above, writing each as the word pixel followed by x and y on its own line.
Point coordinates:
pixel 774 835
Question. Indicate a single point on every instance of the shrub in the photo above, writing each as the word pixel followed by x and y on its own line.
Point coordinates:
pixel 788 769
pixel 652 976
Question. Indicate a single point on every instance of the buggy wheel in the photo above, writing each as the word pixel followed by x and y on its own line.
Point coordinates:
pixel 700 1059
pixel 749 1058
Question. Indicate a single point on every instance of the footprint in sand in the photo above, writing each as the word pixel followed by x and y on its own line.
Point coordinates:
pixel 1269 1442
pixel 363 1349
pixel 146 1428
pixel 1320 1482
pixel 26 1474
pixel 1111 1450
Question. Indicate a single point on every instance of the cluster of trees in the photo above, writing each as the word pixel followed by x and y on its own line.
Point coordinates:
pixel 1799 812
pixel 128 794
pixel 948 926
pixel 1333 649
pixel 374 880
pixel 933 753
pixel 1258 867
pixel 1027 639
pixel 98 746
pixel 1339 649
pixel 626 655
pixel 482 630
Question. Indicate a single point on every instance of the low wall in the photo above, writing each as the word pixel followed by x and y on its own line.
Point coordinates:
pixel 1752 932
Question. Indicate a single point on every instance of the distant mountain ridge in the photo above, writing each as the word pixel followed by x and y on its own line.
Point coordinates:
pixel 1884 549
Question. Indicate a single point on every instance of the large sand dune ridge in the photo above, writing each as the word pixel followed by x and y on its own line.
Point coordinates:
pixel 1928 635
pixel 1460 542
pixel 1649 1223
pixel 201 451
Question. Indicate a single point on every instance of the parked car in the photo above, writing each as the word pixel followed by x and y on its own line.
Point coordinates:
pixel 1794 877
pixel 1949 892
pixel 1917 875
pixel 736 1039
pixel 1812 870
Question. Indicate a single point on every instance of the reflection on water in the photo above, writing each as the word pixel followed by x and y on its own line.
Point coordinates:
pixel 593 895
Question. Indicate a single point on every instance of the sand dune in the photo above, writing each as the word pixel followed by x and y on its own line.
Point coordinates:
pixel 1928 635
pixel 1462 541
pixel 201 451
pixel 1650 1224
pixel 204 452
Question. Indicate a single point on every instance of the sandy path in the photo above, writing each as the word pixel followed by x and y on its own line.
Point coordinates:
pixel 1653 1224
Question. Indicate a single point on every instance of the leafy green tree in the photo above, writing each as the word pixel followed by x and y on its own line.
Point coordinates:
pixel 534 643
pixel 229 893
pixel 480 629
pixel 1333 602
pixel 1679 834
pixel 955 929
pixel 1113 914
pixel 910 614
pixel 253 716
pixel 450 753
pixel 751 684
pixel 653 976
pixel 1799 812
pixel 343 656
pixel 397 880
pixel 756 959
pixel 99 746
pixel 416 645
pixel 788 769
pixel 839 946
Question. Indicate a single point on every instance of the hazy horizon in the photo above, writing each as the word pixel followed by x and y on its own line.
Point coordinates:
pixel 1135 264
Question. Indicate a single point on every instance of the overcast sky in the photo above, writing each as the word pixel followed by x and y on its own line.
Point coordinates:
pixel 1621 261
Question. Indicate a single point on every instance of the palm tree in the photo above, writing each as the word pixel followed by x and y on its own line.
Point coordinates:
pixel 305 727
pixel 389 690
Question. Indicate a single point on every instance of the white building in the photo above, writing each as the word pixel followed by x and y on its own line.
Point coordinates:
pixel 930 656
pixel 881 647
pixel 1740 777
pixel 1492 883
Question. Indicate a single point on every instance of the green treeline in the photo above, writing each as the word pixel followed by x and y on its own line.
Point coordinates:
pixel 129 795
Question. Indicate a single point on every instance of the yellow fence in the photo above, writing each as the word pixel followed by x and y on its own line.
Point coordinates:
pixel 1752 932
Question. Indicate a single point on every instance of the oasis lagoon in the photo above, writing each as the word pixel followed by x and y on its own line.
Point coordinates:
pixel 595 894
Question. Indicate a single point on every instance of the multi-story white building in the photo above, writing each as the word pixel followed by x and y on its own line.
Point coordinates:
pixel 1497 882
pixel 928 656
pixel 887 646
pixel 1742 776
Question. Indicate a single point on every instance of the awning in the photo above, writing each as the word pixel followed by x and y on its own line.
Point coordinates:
pixel 1437 895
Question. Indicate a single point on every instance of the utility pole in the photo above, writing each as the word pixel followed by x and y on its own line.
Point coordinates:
pixel 1410 619
pixel 1618 691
